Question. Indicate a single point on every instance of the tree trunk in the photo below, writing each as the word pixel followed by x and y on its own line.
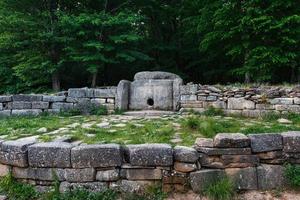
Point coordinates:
pixel 55 82
pixel 94 80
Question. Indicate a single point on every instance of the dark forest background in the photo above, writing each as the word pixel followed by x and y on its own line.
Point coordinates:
pixel 50 45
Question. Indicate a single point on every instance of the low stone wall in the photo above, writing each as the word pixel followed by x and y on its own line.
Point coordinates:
pixel 251 162
pixel 73 98
pixel 249 102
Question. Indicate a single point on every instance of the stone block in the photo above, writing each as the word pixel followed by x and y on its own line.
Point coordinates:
pixel 265 107
pixel 296 100
pixel 105 93
pixel 62 106
pixel 108 175
pixel 240 104
pixel 122 95
pixel 15 153
pixel 185 154
pixel 204 142
pixel 270 155
pixel 239 161
pixel 4 99
pixel 200 180
pixel 98 101
pixel 176 93
pixel 26 112
pixel 243 179
pixel 270 177
pixel 106 155
pixel 224 151
pixel 188 97
pixel 40 105
pixel 43 174
pixel 291 141
pixel 77 92
pixel 283 101
pixel 4 170
pixel 142 174
pixel 50 154
pixel 5 113
pixel 80 175
pixel 185 167
pixel 25 97
pixel 253 113
pixel 51 98
pixel 129 186
pixel 231 140
pixel 150 155
pixel 90 186
pixel 188 89
pixel 233 112
pixel 265 142
pixel 213 162
pixel 19 105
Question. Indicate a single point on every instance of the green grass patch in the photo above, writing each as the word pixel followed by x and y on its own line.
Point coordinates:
pixel 292 173
pixel 223 189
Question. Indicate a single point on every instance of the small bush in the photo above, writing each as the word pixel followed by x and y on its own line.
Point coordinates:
pixel 70 112
pixel 220 190
pixel 118 111
pixel 191 123
pixel 211 111
pixel 99 110
pixel 292 173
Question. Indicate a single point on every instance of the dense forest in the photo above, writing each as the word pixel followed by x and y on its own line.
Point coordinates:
pixel 50 45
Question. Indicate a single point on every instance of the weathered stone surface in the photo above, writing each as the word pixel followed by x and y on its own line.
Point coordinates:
pixel 253 113
pixel 4 170
pixel 142 174
pixel 204 142
pixel 25 97
pixel 50 98
pixel 240 104
pixel 265 107
pixel 291 141
pixel 44 174
pixel 270 155
pixel 15 153
pixel 188 89
pixel 284 101
pixel 51 154
pixel 150 155
pixel 185 154
pixel 5 113
pixel 233 112
pixel 231 140
pixel 185 167
pixel 106 155
pixel 129 186
pixel 98 101
pixel 62 106
pixel 265 142
pixel 146 75
pixel 108 175
pixel 243 179
pixel 270 177
pixel 27 112
pixel 80 175
pixel 105 92
pixel 240 161
pixel 213 162
pixel 224 151
pixel 184 98
pixel 77 92
pixel 5 99
pixel 40 105
pixel 18 105
pixel 200 180
pixel 90 186
pixel 176 93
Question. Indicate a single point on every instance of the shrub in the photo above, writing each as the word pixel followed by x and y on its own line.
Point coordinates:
pixel 211 111
pixel 292 173
pixel 118 111
pixel 70 112
pixel 191 123
pixel 99 110
pixel 222 189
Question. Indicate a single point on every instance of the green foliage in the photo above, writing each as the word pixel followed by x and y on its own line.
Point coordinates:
pixel 80 194
pixel 211 111
pixel 99 110
pixel 292 173
pixel 191 123
pixel 118 111
pixel 222 189
pixel 151 193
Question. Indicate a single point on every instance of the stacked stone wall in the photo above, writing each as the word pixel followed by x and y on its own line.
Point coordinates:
pixel 253 162
pixel 34 104
pixel 249 102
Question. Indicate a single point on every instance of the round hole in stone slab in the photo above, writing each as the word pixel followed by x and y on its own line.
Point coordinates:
pixel 150 102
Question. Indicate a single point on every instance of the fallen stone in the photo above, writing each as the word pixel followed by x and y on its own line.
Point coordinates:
pixel 265 142
pixel 185 154
pixel 106 155
pixel 231 140
pixel 42 130
pixel 243 179
pixel 291 141
pixel 284 121
pixel 270 177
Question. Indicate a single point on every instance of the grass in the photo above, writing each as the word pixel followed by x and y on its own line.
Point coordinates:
pixel 223 189
pixel 292 173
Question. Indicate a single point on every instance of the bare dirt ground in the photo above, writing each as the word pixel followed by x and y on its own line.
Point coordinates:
pixel 251 195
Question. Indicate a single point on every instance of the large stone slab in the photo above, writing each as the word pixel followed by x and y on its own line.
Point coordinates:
pixel 291 142
pixel 25 97
pixel 231 140
pixel 62 106
pixel 80 175
pixel 26 112
pixel 122 95
pixel 243 179
pixel 146 75
pixel 106 155
pixel 240 161
pixel 77 92
pixel 270 177
pixel 265 142
pixel 283 101
pixel 105 92
pixel 200 180
pixel 90 186
pixel 51 98
pixel 50 154
pixel 40 105
pixel 19 105
pixel 142 174
pixel 188 89
pixel 240 104
pixel 185 154
pixel 43 174
pixel 150 155
pixel 15 153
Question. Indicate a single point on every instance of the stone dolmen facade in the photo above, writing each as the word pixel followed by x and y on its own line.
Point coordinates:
pixel 251 162
pixel 160 91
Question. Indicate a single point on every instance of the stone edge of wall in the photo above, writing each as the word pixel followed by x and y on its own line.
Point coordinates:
pixel 253 162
